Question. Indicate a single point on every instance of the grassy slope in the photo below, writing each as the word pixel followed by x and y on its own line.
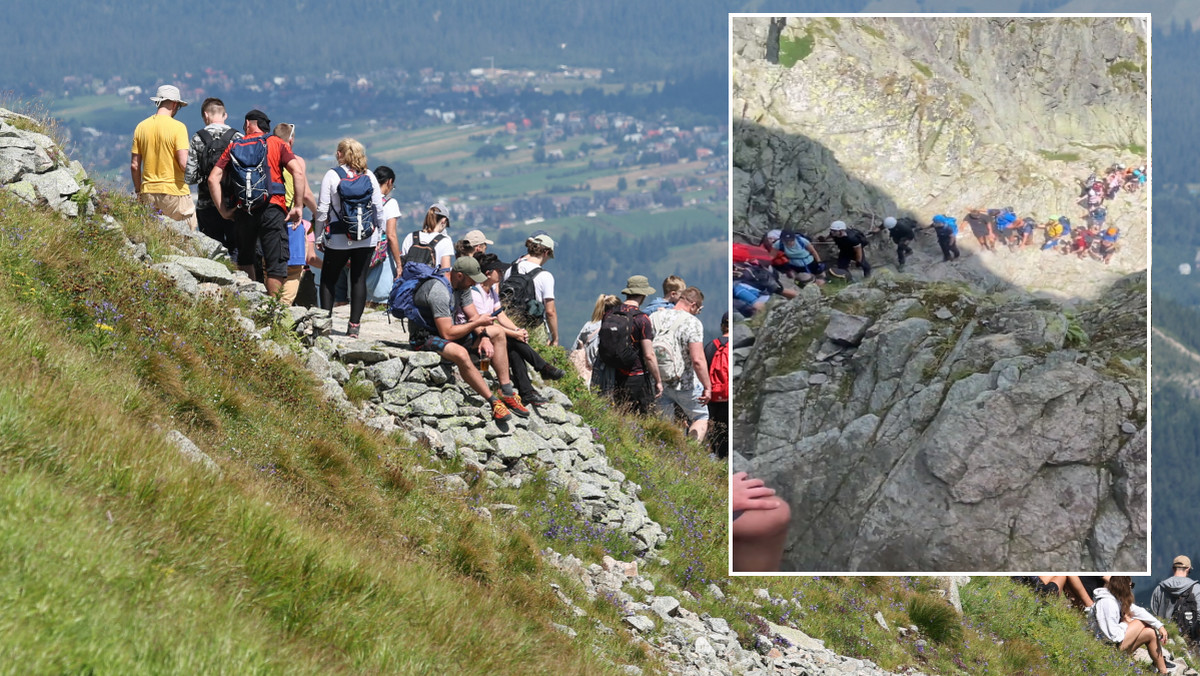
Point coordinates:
pixel 325 547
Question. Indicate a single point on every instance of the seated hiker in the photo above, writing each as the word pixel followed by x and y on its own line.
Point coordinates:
pixel 981 226
pixel 851 246
pixel 1117 619
pixel 753 286
pixel 760 524
pixel 1108 244
pixel 485 299
pixel 902 232
pixel 802 256
pixel 1070 586
pixel 434 309
pixel 946 229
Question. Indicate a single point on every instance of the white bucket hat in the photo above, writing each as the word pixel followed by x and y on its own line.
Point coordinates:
pixel 168 93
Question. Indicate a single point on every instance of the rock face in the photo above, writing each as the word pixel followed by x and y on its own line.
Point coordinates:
pixel 35 169
pixel 860 118
pixel 989 440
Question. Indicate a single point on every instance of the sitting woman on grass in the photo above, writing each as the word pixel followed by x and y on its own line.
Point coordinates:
pixel 1116 619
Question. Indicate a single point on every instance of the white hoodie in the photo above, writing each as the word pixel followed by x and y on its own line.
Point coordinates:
pixel 1106 616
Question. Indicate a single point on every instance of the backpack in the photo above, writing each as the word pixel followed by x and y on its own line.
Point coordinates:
pixel 252 184
pixel 718 370
pixel 1005 220
pixel 211 150
pixel 426 254
pixel 356 218
pixel 854 235
pixel 1066 224
pixel 951 224
pixel 402 301
pixel 617 347
pixel 1054 229
pixel 519 297
pixel 673 361
pixel 1187 615
pixel 1099 214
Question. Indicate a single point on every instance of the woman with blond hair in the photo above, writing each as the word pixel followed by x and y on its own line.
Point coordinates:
pixel 333 230
pixel 583 350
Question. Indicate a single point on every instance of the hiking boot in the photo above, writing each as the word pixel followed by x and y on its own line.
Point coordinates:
pixel 500 412
pixel 352 330
pixel 551 372
pixel 534 398
pixel 513 402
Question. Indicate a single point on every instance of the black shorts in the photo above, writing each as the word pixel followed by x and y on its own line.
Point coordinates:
pixel 269 227
pixel 637 392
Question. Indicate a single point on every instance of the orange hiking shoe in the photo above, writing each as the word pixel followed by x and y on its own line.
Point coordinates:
pixel 500 412
pixel 514 404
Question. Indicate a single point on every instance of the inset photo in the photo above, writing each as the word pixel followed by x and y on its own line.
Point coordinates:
pixel 941 232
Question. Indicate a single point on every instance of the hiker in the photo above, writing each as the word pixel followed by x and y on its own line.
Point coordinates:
pixel 301 243
pixel 1116 179
pixel 760 524
pixel 626 346
pixel 258 212
pixel 1067 585
pixel 753 286
pixel 672 286
pixel 679 352
pixel 383 267
pixel 437 323
pixel 205 149
pixel 430 244
pixel 902 233
pixel 349 224
pixel 850 243
pixel 1108 245
pixel 1024 233
pixel 485 299
pixel 1167 593
pixel 474 242
pixel 159 159
pixel 716 354
pixel 1117 619
pixel 1008 228
pixel 583 350
pixel 1058 231
pixel 946 229
pixel 981 227
pixel 803 261
pixel 541 316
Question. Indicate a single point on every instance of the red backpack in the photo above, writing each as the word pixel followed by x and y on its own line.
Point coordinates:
pixel 718 370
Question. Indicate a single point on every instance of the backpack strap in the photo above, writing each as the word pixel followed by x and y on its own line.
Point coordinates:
pixel 205 135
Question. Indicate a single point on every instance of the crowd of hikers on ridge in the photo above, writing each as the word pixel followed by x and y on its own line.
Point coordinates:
pixel 455 298
pixel 759 269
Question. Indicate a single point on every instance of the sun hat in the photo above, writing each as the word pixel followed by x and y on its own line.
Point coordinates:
pixel 168 93
pixel 637 285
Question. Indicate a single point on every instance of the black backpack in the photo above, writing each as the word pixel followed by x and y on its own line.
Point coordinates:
pixel 617 347
pixel 206 158
pixel 422 253
pixel 519 297
pixel 1187 615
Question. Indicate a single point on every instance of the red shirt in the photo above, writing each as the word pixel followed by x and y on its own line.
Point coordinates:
pixel 278 155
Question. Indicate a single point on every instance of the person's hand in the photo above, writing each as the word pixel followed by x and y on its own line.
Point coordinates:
pixel 484 320
pixel 1162 634
pixel 705 395
pixel 486 349
pixel 751 494
pixel 225 212
pixel 658 389
pixel 296 214
pixel 522 335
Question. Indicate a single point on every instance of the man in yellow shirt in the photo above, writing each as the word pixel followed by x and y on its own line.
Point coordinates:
pixel 159 159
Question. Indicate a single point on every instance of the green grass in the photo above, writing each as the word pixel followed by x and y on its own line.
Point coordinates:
pixel 794 50
pixel 1122 67
pixel 873 32
pixel 1136 149
pixel 925 70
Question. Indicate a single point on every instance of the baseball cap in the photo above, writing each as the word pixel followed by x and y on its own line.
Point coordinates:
pixel 264 122
pixel 440 209
pixel 545 241
pixel 468 266
pixel 837 226
pixel 1181 561
pixel 476 237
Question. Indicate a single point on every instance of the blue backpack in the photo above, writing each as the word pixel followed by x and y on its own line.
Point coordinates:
pixel 252 184
pixel 1005 221
pixel 1066 225
pixel 356 218
pixel 402 301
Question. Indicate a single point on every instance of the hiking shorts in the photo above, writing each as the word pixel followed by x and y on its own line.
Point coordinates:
pixel 269 227
pixel 428 342
pixel 688 402
pixel 979 229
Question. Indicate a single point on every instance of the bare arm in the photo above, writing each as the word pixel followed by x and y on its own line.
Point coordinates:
pixel 700 366
pixel 448 330
pixel 296 168
pixel 214 189
pixel 652 366
pixel 393 241
pixel 552 321
pixel 135 172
